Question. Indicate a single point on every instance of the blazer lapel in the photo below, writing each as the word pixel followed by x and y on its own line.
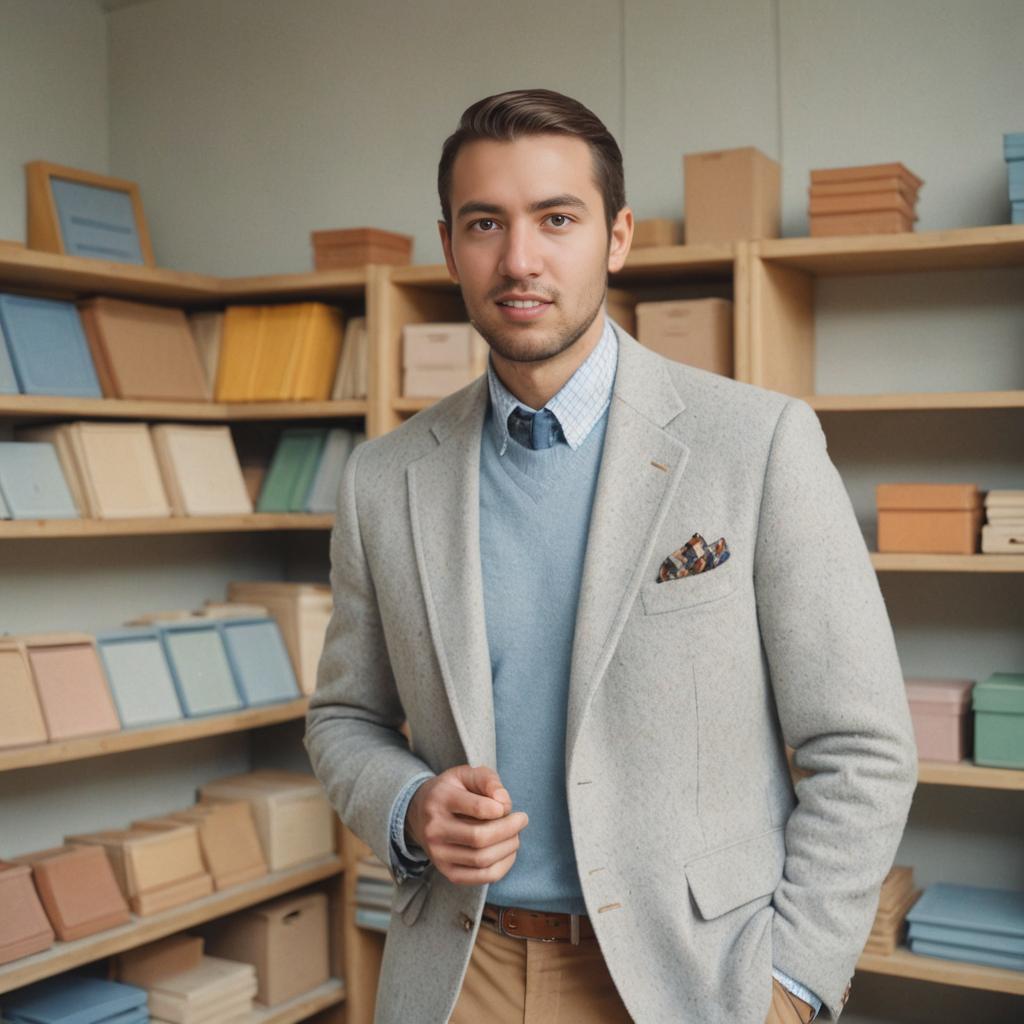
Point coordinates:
pixel 641 467
pixel 444 507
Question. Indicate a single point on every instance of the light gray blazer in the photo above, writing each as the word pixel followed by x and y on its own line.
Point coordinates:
pixel 701 866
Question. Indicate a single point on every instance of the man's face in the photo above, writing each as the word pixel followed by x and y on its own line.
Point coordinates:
pixel 529 244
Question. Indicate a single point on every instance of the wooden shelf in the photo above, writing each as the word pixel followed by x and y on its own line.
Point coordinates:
pixel 64 956
pixel 424 275
pixel 677 260
pixel 158 736
pixel 916 401
pixel 966 773
pixel 50 406
pixel 911 252
pixel 13 529
pixel 899 562
pixel 323 285
pixel 300 1008
pixel 904 964
pixel 407 406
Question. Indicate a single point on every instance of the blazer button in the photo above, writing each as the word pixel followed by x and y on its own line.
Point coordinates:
pixel 467 922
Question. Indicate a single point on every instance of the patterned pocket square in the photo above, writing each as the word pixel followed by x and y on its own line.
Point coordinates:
pixel 695 556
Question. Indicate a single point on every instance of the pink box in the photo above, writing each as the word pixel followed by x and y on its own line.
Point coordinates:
pixel 940 710
pixel 443 346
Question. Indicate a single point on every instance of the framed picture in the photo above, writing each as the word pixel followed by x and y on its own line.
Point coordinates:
pixel 79 213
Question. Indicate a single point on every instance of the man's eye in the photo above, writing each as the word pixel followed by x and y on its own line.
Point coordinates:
pixel 484 225
pixel 559 220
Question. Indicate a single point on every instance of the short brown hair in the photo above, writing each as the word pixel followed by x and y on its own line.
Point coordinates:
pixel 510 115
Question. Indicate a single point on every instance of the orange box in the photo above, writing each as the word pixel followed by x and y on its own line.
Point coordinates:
pixel 731 195
pixel 881 222
pixel 21 723
pixel 863 202
pixel 24 929
pixel 865 186
pixel 693 331
pixel 356 247
pixel 831 175
pixel 929 518
pixel 657 231
pixel 150 963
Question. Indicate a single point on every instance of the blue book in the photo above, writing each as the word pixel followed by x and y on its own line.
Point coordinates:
pixel 1017 213
pixel 1013 146
pixel 323 493
pixel 199 667
pixel 259 659
pixel 8 379
pixel 96 222
pixel 963 953
pixel 1015 180
pixel 140 678
pixel 72 999
pixel 986 941
pixel 994 911
pixel 32 482
pixel 48 347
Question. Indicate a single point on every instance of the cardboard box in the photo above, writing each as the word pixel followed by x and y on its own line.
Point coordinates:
pixel 657 231
pixel 200 470
pixel 356 247
pixel 213 991
pixel 999 720
pixel 864 202
pixel 293 818
pixel 157 960
pixel 941 713
pixel 435 383
pixel 883 222
pixel 865 186
pixel 693 331
pixel 286 941
pixel 621 307
pixel 830 175
pixel 731 195
pixel 929 518
pixel 78 890
pixel 21 723
pixel 24 929
pixel 443 347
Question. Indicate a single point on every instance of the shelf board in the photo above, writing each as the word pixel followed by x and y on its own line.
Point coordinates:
pixel 407 406
pixel 904 964
pixel 12 529
pixel 917 400
pixel 653 262
pixel 331 993
pixel 64 956
pixel 424 275
pixel 900 562
pixel 325 285
pixel 49 406
pixel 157 736
pixel 960 249
pixel 966 773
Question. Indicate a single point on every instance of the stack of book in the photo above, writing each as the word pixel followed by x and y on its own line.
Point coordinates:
pixel 969 923
pixel 213 991
pixel 374 891
pixel 73 999
pixel 1013 150
pixel 898 895
pixel 305 472
pixel 870 200
pixel 1003 531
pixel 438 359
pixel 352 379
pixel 200 470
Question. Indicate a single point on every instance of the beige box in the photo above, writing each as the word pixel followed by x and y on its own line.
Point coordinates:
pixel 621 307
pixel 435 382
pixel 929 518
pixel 731 195
pixel 212 992
pixel 302 611
pixel 21 723
pixel 657 231
pixel 201 470
pixel 693 331
pixel 286 941
pixel 150 963
pixel 293 818
pixel 881 222
pixel 443 346
pixel 356 247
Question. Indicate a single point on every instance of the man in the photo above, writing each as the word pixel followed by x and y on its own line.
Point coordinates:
pixel 605 590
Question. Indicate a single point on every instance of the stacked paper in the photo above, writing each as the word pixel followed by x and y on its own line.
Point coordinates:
pixel 895 900
pixel 200 470
pixel 33 483
pixel 438 359
pixel 869 200
pixel 72 999
pixel 352 379
pixel 969 923
pixel 1013 150
pixel 375 890
pixel 1003 531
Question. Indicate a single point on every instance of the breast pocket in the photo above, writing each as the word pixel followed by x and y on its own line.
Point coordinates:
pixel 690 591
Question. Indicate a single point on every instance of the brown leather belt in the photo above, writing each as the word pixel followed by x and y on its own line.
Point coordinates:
pixel 543 926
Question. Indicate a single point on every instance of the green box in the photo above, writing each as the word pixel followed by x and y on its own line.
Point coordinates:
pixel 999 721
pixel 292 471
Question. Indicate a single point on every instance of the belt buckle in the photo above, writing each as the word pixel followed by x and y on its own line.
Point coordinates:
pixel 526 938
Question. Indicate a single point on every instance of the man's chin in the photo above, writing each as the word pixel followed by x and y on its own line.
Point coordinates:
pixel 526 343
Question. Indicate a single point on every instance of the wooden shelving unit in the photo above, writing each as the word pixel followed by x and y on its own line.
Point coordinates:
pixel 904 964
pixel 966 773
pixel 896 561
pixel 332 993
pixel 258 522
pixel 920 401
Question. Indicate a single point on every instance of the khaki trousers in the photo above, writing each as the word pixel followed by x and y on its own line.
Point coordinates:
pixel 523 981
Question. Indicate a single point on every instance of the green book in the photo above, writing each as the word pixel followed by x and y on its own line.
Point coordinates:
pixel 292 471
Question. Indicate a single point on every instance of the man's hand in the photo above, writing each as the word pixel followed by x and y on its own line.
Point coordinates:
pixel 463 820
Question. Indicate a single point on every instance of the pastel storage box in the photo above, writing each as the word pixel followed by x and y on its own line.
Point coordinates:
pixel 24 929
pixel 75 999
pixel 200 470
pixel 929 518
pixel 292 471
pixel 78 890
pixel 258 658
pixel 999 721
pixel 356 247
pixel 200 668
pixel 941 713
pixel 149 963
pixel 323 491
pixel 8 378
pixel 657 231
pixel 48 347
pixel 443 346
pixel 213 991
pixel 895 899
pixel 294 821
pixel 286 941
pixel 32 482
pixel 155 869
pixel 731 195
pixel 693 331
pixel 21 723
pixel 302 611
pixel 139 676
pixel 435 382
pixel 71 685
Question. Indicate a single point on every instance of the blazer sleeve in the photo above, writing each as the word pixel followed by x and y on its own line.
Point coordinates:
pixel 841 704
pixel 353 728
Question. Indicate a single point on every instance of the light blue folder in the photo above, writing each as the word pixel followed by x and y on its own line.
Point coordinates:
pixel 48 347
pixel 988 941
pixel 259 659
pixel 137 1016
pixel 8 378
pixel 96 222
pixel 992 911
pixel 1015 179
pixel 966 955
pixel 140 678
pixel 199 667
pixel 1017 213
pixel 72 999
pixel 1013 146
pixel 33 483
pixel 323 494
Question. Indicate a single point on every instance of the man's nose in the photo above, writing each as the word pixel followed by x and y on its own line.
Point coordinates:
pixel 521 256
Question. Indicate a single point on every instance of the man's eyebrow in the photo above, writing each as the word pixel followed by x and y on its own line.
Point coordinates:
pixel 566 199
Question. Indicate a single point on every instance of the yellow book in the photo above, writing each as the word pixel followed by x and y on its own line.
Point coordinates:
pixel 282 331
pixel 323 329
pixel 239 354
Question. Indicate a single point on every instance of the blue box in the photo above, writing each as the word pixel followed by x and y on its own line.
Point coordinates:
pixel 33 483
pixel 1013 146
pixel 989 942
pixel 998 912
pixel 1015 180
pixel 199 667
pixel 96 222
pixel 259 659
pixel 8 378
pixel 323 493
pixel 48 347
pixel 967 955
pixel 139 676
pixel 72 999
pixel 1017 213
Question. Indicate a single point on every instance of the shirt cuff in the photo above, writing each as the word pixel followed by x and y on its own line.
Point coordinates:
pixel 406 861
pixel 798 990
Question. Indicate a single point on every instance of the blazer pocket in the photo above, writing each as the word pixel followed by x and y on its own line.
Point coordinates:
pixel 689 591
pixel 725 879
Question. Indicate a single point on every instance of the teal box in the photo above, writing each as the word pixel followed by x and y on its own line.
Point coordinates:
pixel 1017 213
pixel 292 471
pixel 259 659
pixel 32 482
pixel 200 668
pixel 140 678
pixel 323 493
pixel 999 721
pixel 1015 180
pixel 1013 146
pixel 966 954
pixel 73 999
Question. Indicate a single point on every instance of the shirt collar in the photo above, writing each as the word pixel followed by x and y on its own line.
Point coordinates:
pixel 578 405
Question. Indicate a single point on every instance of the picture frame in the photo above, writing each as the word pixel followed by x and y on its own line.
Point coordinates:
pixel 79 213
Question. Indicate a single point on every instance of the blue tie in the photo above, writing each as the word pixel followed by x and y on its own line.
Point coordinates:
pixel 533 430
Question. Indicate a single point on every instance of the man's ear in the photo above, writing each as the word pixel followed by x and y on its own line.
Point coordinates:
pixel 621 239
pixel 446 245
